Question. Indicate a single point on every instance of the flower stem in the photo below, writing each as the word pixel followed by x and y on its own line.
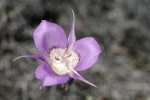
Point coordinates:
pixel 64 89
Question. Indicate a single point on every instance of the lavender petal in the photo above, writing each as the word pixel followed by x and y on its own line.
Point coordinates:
pixel 48 77
pixel 79 77
pixel 40 57
pixel 48 35
pixel 88 50
pixel 72 37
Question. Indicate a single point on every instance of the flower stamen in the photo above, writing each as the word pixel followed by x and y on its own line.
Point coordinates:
pixel 63 62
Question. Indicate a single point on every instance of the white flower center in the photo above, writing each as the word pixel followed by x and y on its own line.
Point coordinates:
pixel 63 62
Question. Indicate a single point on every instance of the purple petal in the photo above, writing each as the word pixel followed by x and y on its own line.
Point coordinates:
pixel 48 78
pixel 48 35
pixel 72 37
pixel 88 50
pixel 79 77
pixel 40 57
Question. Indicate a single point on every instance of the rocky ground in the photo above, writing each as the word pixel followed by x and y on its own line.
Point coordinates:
pixel 122 28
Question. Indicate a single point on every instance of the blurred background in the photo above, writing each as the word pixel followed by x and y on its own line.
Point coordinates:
pixel 122 28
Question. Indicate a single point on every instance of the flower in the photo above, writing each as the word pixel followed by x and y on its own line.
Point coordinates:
pixel 62 57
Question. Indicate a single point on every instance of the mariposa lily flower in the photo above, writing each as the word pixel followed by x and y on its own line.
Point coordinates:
pixel 62 58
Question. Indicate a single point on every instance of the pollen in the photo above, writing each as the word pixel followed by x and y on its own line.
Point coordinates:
pixel 63 62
